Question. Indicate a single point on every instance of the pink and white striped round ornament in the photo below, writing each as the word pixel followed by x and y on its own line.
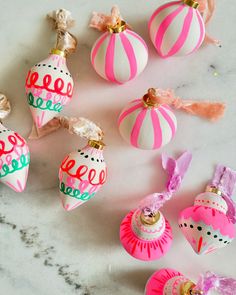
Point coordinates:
pixel 119 57
pixel 147 127
pixel 177 28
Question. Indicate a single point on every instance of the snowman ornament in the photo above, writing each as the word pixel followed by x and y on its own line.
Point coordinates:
pixel 14 153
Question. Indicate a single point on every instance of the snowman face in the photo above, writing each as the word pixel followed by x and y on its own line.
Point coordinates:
pixel 14 159
pixel 81 175
pixel 49 87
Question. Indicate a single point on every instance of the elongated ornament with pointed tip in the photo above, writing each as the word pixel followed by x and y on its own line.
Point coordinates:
pixel 209 224
pixel 120 54
pixel 49 84
pixel 145 233
pixel 14 153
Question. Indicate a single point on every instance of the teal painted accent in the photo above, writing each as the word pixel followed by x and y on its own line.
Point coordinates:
pixel 38 104
pixel 75 193
pixel 16 165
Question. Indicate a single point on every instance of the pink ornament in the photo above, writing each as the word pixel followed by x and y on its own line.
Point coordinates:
pixel 147 127
pixel 14 159
pixel 82 174
pixel 145 233
pixel 149 122
pixel 49 87
pixel 209 224
pixel 49 84
pixel 120 54
pixel 168 281
pixel 177 28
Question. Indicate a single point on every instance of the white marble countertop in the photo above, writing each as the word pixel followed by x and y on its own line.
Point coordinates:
pixel 45 250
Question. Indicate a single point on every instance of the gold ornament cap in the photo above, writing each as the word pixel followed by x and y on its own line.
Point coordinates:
pixel 213 189
pixel 150 219
pixel 187 289
pixel 191 3
pixel 58 52
pixel 118 28
pixel 97 144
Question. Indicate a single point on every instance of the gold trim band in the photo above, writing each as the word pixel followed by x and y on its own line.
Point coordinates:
pixel 58 52
pixel 148 103
pixel 118 28
pixel 187 289
pixel 213 189
pixel 96 144
pixel 191 3
pixel 149 220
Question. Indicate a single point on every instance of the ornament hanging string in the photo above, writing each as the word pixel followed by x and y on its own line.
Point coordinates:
pixel 62 21
pixel 5 107
pixel 77 126
pixel 225 180
pixel 209 110
pixel 102 22
pixel 211 281
pixel 207 9
pixel 176 170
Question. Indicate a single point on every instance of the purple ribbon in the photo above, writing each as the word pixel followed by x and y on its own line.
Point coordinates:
pixel 176 170
pixel 211 281
pixel 225 180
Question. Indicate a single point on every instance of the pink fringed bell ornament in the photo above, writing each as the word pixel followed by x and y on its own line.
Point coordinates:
pixel 150 123
pixel 120 54
pixel 82 173
pixel 145 233
pixel 209 224
pixel 178 27
pixel 171 282
pixel 49 84
pixel 14 153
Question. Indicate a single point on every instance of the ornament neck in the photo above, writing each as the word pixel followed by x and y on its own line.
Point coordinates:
pixel 58 52
pixel 214 189
pixel 119 27
pixel 187 288
pixel 150 219
pixel 191 3
pixel 149 99
pixel 97 144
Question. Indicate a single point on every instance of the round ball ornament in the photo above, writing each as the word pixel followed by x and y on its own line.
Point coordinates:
pixel 14 153
pixel 150 123
pixel 168 281
pixel 209 224
pixel 145 233
pixel 49 84
pixel 177 28
pixel 120 54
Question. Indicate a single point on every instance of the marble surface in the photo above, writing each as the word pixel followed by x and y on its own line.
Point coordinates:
pixel 44 250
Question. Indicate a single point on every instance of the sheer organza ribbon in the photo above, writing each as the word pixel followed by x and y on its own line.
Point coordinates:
pixel 101 21
pixel 225 180
pixel 77 126
pixel 208 110
pixel 62 21
pixel 5 106
pixel 176 170
pixel 207 9
pixel 211 281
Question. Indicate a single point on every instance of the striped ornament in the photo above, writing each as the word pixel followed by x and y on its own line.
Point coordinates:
pixel 119 57
pixel 176 29
pixel 147 127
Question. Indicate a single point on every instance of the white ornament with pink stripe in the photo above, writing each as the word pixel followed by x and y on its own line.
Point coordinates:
pixel 147 127
pixel 211 200
pixel 119 56
pixel 14 159
pixel 177 28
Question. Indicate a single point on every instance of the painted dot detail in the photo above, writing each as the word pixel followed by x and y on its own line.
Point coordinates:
pixel 208 233
pixel 199 228
pixel 185 224
pixel 215 236
pixel 191 225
